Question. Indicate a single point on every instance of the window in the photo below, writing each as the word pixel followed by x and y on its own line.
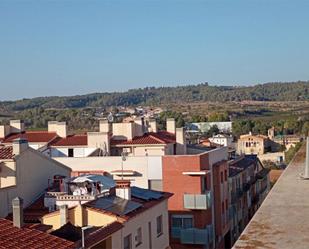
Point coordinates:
pixel 159 226
pixel 127 242
pixel 225 175
pixel 204 184
pixel 179 222
pixel 138 237
pixel 221 174
pixel 222 206
pixel 71 153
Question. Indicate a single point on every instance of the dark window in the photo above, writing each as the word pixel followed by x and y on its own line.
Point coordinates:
pixel 204 184
pixel 225 175
pixel 127 242
pixel 221 174
pixel 159 226
pixel 138 237
pixel 71 153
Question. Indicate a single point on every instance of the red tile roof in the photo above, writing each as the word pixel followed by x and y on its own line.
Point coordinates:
pixel 32 136
pixel 161 137
pixel 6 152
pixel 22 238
pixel 71 140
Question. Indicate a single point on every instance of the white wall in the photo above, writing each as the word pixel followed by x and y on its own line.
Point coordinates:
pixel 142 220
pixel 78 152
pixel 32 171
pixel 148 167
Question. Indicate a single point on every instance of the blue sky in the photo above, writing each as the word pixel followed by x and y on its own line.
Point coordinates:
pixel 77 47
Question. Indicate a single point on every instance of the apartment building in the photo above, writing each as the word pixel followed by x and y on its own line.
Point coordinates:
pixel 198 210
pixel 112 214
pixel 23 171
pixel 248 185
pixel 138 137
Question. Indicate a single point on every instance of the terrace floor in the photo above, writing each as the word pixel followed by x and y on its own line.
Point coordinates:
pixel 282 221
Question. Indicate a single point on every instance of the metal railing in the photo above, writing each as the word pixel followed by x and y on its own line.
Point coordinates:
pixel 197 201
pixel 195 236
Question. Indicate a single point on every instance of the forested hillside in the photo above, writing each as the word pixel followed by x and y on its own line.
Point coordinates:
pixel 292 91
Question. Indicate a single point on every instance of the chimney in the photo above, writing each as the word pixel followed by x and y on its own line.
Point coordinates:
pixel 123 189
pixel 17 126
pixel 171 125
pixel 18 212
pixel 181 148
pixel 59 127
pixel 64 214
pixel 19 145
pixel 305 175
pixel 4 130
pixel 271 133
pixel 105 126
pixel 99 140
pixel 139 128
pixel 153 126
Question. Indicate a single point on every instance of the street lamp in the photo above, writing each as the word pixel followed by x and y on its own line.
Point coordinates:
pixel 83 235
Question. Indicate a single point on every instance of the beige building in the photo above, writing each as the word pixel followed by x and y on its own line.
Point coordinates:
pixel 253 144
pixel 133 217
pixel 24 172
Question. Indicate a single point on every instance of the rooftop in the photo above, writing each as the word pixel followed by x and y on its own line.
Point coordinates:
pixel 6 152
pixel 161 137
pixel 14 237
pixel 282 220
pixel 71 140
pixel 32 136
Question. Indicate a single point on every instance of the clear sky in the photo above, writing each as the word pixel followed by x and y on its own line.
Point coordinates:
pixel 76 47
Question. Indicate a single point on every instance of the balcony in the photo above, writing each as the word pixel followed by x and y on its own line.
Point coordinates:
pixel 197 201
pixel 195 236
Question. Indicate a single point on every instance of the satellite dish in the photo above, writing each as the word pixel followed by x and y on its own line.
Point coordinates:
pixel 110 117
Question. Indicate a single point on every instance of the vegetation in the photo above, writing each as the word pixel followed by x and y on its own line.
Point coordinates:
pixel 296 91
pixel 291 152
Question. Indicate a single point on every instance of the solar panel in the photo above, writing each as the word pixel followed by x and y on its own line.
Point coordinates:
pixel 145 194
pixel 115 205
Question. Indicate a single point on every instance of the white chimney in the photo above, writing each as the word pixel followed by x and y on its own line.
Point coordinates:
pixel 59 127
pixel 105 126
pixel 18 212
pixel 171 125
pixel 64 214
pixel 19 145
pixel 153 126
pixel 181 148
pixel 4 130
pixel 17 126
pixel 123 189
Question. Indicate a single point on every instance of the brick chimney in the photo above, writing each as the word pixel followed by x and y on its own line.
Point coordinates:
pixel 19 145
pixel 18 212
pixel 123 189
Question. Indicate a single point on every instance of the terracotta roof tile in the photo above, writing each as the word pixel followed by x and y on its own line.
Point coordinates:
pixel 6 152
pixel 71 140
pixel 32 136
pixel 22 238
pixel 161 137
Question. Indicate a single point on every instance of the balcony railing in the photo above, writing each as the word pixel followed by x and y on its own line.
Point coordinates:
pixel 195 236
pixel 197 201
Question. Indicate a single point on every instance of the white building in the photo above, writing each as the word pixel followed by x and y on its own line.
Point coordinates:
pixel 221 139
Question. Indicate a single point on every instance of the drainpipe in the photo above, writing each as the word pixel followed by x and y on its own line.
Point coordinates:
pixel 213 207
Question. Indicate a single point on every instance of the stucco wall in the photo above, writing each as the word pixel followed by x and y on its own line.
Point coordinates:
pixel 147 167
pixel 33 171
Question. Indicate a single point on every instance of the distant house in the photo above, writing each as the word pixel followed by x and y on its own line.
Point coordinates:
pixel 253 144
pixel 224 127
pixel 221 139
